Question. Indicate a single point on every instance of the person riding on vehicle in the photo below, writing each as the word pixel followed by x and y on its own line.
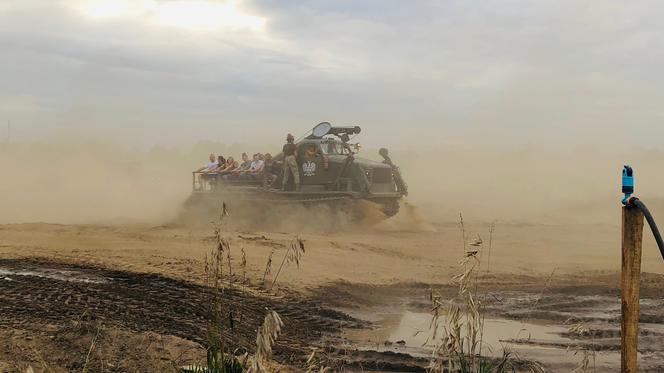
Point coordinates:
pixel 246 162
pixel 227 167
pixel 255 169
pixel 210 166
pixel 290 163
pixel 206 171
pixel 242 167
pixel 270 171
pixel 311 151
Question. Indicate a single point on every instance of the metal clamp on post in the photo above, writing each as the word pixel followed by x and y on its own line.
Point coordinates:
pixel 627 183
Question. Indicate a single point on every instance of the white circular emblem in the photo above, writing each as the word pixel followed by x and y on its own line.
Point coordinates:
pixel 309 168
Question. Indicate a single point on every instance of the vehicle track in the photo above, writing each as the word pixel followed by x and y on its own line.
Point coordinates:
pixel 36 290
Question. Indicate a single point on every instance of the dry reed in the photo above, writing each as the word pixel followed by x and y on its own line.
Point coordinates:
pixel 268 267
pixel 458 347
pixel 265 339
pixel 588 355
pixel 293 254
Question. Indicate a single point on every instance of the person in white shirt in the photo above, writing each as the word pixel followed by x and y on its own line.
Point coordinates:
pixel 255 169
pixel 210 166
pixel 204 171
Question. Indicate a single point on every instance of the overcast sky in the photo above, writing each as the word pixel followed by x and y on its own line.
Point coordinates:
pixel 173 72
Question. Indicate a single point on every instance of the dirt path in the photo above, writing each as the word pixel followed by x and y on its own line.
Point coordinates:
pixel 539 275
pixel 38 291
pixel 373 257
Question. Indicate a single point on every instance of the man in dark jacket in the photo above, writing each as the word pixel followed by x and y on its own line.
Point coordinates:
pixel 290 163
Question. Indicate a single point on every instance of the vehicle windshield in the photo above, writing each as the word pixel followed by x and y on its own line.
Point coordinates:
pixel 334 147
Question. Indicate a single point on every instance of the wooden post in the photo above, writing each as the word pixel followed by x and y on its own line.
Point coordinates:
pixel 630 283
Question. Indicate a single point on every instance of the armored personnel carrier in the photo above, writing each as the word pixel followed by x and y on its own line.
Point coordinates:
pixel 333 179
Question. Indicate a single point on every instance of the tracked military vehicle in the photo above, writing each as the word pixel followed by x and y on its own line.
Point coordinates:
pixel 333 179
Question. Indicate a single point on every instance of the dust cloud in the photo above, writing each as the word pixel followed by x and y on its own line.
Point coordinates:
pixel 529 185
pixel 409 219
pixel 105 183
pixel 83 183
pixel 96 182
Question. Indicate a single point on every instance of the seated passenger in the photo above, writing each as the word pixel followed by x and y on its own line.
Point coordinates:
pixel 261 163
pixel 270 171
pixel 229 166
pixel 213 175
pixel 235 173
pixel 255 169
pixel 246 163
pixel 210 166
pixel 206 170
pixel 221 161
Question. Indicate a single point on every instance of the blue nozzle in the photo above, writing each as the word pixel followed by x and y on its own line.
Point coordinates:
pixel 627 183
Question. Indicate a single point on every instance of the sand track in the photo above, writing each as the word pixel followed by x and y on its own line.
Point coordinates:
pixel 154 286
pixel 37 291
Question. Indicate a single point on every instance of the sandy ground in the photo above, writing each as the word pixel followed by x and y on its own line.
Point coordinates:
pixel 367 272
pixel 377 256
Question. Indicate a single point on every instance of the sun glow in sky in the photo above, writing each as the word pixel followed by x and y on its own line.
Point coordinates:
pixel 187 14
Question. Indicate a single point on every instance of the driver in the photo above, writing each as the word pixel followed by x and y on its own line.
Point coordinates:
pixel 311 151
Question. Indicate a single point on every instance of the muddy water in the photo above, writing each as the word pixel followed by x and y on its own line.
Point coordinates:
pixel 547 340
pixel 409 332
pixel 9 274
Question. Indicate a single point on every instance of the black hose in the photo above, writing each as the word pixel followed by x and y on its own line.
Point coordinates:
pixel 651 222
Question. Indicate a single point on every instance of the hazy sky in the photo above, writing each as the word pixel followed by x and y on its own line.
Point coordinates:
pixel 508 72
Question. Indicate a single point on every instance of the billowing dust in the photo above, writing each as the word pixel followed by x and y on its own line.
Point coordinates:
pixel 557 218
pixel 409 219
pixel 99 182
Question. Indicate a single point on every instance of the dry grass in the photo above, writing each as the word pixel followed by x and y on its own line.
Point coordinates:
pixel 92 347
pixel 89 345
pixel 268 267
pixel 293 254
pixel 265 339
pixel 243 265
pixel 219 358
pixel 458 324
pixel 588 355
pixel 317 365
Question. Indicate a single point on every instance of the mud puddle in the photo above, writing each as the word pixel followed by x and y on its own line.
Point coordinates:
pixel 12 274
pixel 558 330
pixel 409 333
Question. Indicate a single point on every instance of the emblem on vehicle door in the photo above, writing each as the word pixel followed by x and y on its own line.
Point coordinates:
pixel 309 168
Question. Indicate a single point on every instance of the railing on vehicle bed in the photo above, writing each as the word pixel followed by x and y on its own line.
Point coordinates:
pixel 199 181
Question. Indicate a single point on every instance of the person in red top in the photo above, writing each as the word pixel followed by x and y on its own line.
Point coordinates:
pixel 229 166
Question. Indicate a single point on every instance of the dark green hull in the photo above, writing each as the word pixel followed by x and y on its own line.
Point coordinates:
pixel 266 208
